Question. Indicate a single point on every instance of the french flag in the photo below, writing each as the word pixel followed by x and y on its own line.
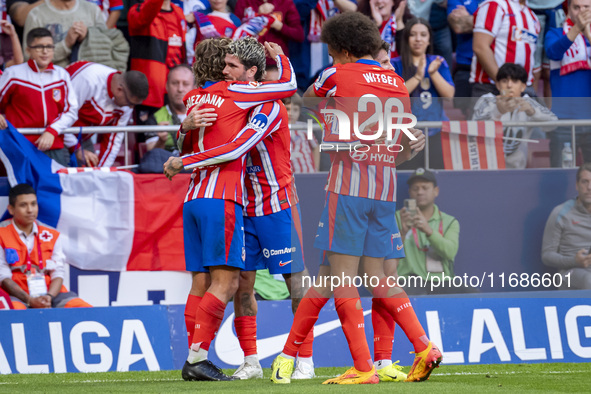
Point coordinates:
pixel 110 220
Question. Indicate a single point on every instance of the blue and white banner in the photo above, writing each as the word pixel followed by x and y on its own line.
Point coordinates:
pixel 469 330
pixel 85 340
pixel 544 327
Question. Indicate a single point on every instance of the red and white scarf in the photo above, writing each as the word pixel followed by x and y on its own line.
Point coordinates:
pixel 388 33
pixel 576 57
pixel 324 10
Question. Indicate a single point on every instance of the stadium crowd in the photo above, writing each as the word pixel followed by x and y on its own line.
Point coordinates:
pixel 441 48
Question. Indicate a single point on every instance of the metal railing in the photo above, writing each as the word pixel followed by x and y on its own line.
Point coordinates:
pixel 572 123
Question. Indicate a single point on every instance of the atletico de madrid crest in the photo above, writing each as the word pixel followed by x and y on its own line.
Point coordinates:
pixel 46 236
pixel 57 95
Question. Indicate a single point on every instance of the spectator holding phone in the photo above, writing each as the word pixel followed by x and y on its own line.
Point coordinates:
pixel 567 235
pixel 430 237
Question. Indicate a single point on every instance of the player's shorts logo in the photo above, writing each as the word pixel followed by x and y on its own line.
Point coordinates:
pixel 358 156
pixel 266 253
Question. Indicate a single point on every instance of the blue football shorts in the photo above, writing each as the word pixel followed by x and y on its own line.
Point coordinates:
pixel 356 226
pixel 213 233
pixel 275 242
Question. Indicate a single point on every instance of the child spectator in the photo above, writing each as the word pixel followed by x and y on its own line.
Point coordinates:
pixel 512 105
pixel 305 155
pixel 427 79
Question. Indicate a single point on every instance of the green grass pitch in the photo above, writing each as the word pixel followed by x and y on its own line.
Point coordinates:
pixel 514 378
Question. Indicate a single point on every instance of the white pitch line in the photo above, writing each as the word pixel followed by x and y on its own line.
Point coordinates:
pixel 317 376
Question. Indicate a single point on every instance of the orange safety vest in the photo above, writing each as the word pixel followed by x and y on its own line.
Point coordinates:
pixel 15 253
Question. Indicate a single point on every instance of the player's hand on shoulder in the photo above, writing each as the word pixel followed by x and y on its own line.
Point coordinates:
pixel 197 118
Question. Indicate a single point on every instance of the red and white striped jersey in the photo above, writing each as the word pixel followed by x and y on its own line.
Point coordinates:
pixel 369 172
pixel 92 84
pixel 269 180
pixel 302 158
pixel 214 176
pixel 30 98
pixel 515 29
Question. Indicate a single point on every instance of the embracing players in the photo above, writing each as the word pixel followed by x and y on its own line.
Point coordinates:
pixel 358 223
pixel 212 213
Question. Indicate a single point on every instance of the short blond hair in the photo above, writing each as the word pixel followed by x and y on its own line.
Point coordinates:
pixel 210 60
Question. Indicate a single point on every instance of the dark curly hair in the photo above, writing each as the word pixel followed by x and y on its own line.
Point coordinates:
pixel 352 32
pixel 210 61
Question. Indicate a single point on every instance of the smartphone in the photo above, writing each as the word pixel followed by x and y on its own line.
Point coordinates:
pixel 411 206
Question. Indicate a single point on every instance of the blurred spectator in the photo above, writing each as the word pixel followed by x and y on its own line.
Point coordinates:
pixel 157 31
pixel 106 98
pixel 18 10
pixel 313 14
pixel 305 155
pixel 180 81
pixel 505 31
pixel 218 22
pixel 567 235
pixel 513 105
pixel 428 78
pixel 286 26
pixel 460 17
pixel 111 10
pixel 189 7
pixel 389 16
pixel 570 76
pixel 422 8
pixel 46 88
pixel 11 51
pixel 68 21
pixel 551 15
pixel 442 40
pixel 31 257
pixel 431 237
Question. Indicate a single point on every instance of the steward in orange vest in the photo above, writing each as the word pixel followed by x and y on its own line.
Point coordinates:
pixel 31 257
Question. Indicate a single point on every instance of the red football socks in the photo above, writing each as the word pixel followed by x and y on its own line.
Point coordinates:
pixel 303 321
pixel 210 313
pixel 246 331
pixel 190 312
pixel 348 306
pixel 383 330
pixel 306 348
pixel 404 315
